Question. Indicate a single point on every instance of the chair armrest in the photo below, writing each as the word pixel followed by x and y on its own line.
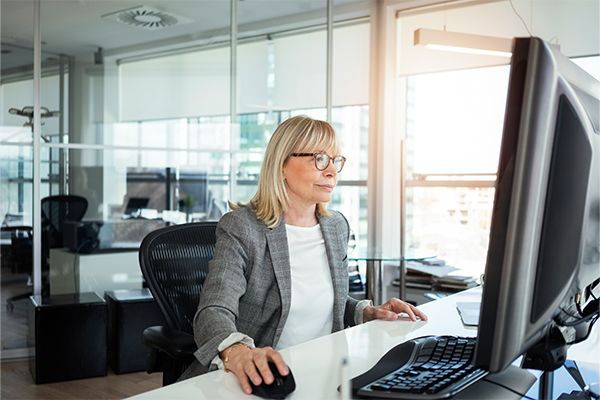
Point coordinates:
pixel 177 344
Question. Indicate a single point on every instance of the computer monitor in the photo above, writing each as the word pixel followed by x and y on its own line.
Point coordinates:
pixel 195 184
pixel 543 264
pixel 136 203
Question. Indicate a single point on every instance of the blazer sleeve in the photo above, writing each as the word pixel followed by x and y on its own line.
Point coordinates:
pixel 224 286
pixel 350 312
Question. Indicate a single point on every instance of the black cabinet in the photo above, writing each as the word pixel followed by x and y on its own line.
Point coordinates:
pixel 129 313
pixel 69 334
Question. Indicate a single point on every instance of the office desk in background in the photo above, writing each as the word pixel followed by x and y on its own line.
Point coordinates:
pixel 316 364
pixel 113 266
pixel 374 259
pixel 102 270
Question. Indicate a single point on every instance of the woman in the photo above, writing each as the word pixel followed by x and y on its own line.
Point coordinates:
pixel 279 275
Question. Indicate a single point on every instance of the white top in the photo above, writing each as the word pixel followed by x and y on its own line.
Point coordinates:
pixel 311 309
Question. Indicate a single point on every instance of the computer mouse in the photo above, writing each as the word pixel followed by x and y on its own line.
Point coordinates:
pixel 279 389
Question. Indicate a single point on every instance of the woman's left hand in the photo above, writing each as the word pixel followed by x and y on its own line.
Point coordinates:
pixel 390 310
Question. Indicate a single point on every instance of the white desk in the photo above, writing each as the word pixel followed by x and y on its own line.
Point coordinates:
pixel 316 364
pixel 96 272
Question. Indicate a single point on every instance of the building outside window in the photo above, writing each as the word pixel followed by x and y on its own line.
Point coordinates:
pixel 452 160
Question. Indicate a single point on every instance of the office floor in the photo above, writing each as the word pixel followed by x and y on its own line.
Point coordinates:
pixel 16 381
pixel 13 323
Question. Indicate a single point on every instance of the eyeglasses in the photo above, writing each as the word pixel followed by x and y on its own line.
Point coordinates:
pixel 322 160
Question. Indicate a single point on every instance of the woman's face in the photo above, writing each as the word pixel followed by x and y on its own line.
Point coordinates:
pixel 306 185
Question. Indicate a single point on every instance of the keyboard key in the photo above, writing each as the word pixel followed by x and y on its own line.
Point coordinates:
pixel 379 387
pixel 401 389
pixel 433 390
pixel 427 366
pixel 418 389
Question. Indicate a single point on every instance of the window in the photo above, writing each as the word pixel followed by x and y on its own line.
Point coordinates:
pixel 451 111
pixel 199 137
pixel 453 141
pixel 454 128
pixel 275 84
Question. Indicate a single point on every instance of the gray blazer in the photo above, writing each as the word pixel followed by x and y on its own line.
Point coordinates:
pixel 248 287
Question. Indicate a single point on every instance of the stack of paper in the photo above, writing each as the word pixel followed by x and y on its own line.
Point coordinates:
pixel 455 282
pixel 434 274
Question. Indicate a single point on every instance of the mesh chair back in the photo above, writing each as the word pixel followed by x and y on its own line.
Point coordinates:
pixel 174 262
pixel 58 209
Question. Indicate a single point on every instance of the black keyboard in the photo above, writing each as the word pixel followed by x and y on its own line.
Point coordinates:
pixel 429 367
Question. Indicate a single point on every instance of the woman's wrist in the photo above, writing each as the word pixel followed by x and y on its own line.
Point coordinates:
pixel 226 355
pixel 369 313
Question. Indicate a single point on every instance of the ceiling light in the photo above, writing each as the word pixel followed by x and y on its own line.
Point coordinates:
pixel 463 42
pixel 147 18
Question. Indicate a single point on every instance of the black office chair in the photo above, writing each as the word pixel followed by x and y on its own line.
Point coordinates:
pixel 174 262
pixel 19 252
pixel 55 211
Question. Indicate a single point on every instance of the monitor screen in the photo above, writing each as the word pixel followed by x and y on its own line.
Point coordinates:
pixel 543 264
pixel 136 203
pixel 194 183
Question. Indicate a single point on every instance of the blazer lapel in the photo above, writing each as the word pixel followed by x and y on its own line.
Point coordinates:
pixel 339 276
pixel 280 258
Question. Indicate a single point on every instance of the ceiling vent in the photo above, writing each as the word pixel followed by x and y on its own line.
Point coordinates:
pixel 147 18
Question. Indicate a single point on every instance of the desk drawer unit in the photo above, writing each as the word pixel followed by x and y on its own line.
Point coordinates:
pixel 129 313
pixel 69 335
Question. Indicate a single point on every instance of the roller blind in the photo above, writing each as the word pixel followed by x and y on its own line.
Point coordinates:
pixel 300 68
pixel 177 86
pixel 197 83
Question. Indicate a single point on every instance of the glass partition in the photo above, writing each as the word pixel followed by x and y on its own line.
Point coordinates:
pixel 137 113
pixel 133 182
pixel 16 173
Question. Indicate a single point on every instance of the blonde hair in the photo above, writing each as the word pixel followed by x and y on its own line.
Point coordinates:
pixel 300 134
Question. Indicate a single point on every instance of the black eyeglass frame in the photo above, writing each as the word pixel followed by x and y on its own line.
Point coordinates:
pixel 330 159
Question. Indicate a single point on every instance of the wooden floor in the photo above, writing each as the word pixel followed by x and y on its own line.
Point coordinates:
pixel 17 383
pixel 14 322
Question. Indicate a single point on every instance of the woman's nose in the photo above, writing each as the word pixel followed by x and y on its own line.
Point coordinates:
pixel 331 170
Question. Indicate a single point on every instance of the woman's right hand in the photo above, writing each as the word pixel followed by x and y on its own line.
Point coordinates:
pixel 252 365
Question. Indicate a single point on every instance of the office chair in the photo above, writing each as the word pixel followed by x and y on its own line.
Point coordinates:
pixel 174 263
pixel 55 211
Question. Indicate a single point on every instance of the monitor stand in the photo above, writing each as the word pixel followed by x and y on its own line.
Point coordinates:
pixel 546 385
pixel 571 383
pixel 512 383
